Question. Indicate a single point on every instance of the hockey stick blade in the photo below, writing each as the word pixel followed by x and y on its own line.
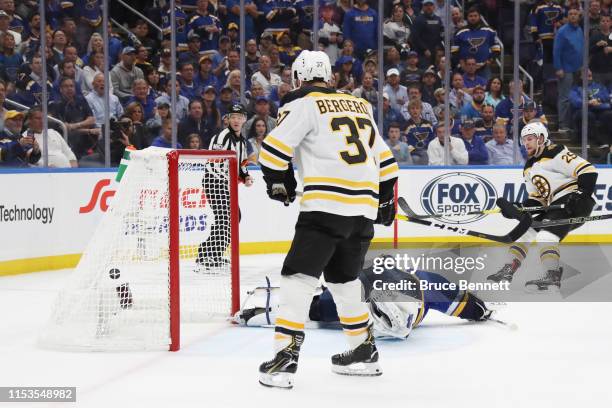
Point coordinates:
pixel 568 221
pixel 512 236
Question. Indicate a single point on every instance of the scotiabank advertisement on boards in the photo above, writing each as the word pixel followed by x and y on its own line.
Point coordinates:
pixel 54 214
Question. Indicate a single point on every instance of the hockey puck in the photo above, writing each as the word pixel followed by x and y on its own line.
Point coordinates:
pixel 114 273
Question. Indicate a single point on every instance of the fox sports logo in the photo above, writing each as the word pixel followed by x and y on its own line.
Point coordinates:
pixel 458 192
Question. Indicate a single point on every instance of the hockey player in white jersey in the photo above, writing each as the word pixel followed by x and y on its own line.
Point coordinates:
pixel 348 174
pixel 553 176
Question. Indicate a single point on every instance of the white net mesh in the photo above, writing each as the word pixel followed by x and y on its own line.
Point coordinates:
pixel 118 296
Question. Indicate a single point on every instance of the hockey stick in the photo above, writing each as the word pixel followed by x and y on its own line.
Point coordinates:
pixel 517 232
pixel 493 211
pixel 569 221
pixel 508 325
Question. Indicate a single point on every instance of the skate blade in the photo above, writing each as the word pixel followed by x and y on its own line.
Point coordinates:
pixel 535 289
pixel 277 380
pixel 358 369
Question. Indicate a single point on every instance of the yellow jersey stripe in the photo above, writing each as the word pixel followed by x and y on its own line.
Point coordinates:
pixel 356 319
pixel 271 140
pixel 341 199
pixel 341 182
pixel 266 157
pixel 391 169
pixel 289 324
pixel 385 155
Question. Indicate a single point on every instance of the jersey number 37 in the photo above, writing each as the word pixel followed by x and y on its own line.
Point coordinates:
pixel 353 125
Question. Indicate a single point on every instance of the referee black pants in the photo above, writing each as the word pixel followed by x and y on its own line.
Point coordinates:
pixel 218 198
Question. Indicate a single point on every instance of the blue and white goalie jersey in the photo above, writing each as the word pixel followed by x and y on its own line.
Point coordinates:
pixel 334 142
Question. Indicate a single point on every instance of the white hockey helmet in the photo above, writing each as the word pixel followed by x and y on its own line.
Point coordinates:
pixel 298 68
pixel 536 128
pixel 317 66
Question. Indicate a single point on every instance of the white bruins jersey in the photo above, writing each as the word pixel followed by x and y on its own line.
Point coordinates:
pixel 554 173
pixel 340 156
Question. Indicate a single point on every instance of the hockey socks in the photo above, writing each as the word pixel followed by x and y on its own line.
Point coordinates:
pixel 353 313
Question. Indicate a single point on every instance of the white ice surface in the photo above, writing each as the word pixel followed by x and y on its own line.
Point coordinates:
pixel 560 356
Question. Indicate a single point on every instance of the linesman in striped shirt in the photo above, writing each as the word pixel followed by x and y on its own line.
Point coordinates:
pixel 211 252
pixel 348 174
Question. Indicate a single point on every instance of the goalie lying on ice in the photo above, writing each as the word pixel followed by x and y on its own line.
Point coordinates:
pixel 394 314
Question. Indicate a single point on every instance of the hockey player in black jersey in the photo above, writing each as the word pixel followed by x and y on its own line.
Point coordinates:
pixel 348 174
pixel 554 176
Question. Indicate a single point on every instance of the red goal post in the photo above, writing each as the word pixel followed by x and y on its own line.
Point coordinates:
pixel 174 244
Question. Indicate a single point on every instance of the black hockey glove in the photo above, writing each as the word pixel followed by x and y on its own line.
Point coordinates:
pixel 508 209
pixel 579 204
pixel 280 185
pixel 386 212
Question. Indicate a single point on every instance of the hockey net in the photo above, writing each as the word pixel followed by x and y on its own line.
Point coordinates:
pixel 165 252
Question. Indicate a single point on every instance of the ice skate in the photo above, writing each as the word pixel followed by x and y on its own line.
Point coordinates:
pixel 279 371
pixel 362 360
pixel 550 283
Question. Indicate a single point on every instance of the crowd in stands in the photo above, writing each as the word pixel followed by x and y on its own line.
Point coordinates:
pixel 209 78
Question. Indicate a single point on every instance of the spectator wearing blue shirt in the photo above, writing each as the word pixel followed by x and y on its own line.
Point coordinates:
pixel 400 150
pixel 390 115
pixel 477 41
pixel 501 149
pixel 599 113
pixel 207 26
pixel 16 151
pixel 9 59
pixel 473 109
pixel 470 79
pixel 484 126
pixel 251 13
pixel 427 33
pixel 278 14
pixel 398 94
pixel 140 90
pixel 182 27
pixel 567 60
pixel 419 132
pixel 361 26
pixel 165 139
pixel 189 87
pixel 477 151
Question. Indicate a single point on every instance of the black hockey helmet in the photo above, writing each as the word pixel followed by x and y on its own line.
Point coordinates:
pixel 237 108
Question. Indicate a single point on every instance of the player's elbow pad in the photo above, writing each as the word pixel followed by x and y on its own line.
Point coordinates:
pixel 586 182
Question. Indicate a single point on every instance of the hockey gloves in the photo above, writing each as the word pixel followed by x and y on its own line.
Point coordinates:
pixel 579 203
pixel 280 185
pixel 508 209
pixel 386 212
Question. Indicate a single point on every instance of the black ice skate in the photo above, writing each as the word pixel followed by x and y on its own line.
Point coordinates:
pixel 211 266
pixel 505 274
pixel 549 283
pixel 279 371
pixel 362 360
